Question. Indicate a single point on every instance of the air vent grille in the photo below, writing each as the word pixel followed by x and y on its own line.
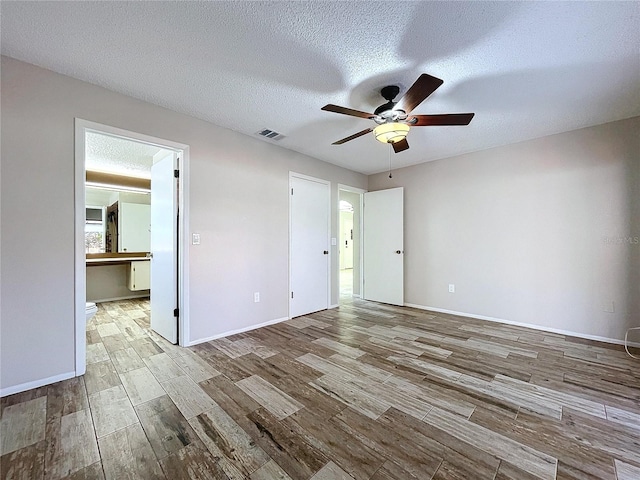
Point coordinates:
pixel 270 134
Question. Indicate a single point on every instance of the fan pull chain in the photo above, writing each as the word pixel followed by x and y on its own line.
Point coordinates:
pixel 390 176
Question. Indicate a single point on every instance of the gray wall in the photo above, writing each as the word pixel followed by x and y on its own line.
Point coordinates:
pixel 532 232
pixel 239 203
pixel 109 282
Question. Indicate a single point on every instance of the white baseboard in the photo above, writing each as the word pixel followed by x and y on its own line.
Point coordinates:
pixel 35 384
pixel 333 306
pixel 115 299
pixel 233 332
pixel 527 325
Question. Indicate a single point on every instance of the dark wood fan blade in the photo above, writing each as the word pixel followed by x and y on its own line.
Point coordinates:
pixel 355 135
pixel 400 146
pixel 347 111
pixel 445 119
pixel 424 86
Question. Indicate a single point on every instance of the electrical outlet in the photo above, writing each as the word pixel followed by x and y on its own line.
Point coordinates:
pixel 452 288
pixel 609 307
pixel 195 239
pixel 256 297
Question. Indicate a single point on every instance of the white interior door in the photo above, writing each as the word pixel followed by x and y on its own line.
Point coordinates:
pixel 309 246
pixel 164 248
pixel 384 246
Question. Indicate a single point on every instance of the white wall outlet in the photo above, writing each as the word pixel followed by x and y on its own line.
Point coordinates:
pixel 256 297
pixel 195 239
pixel 452 288
pixel 609 307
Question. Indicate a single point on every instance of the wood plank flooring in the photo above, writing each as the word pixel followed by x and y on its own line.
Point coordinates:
pixel 365 391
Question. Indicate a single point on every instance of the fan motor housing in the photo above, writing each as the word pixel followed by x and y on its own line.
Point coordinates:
pixel 388 93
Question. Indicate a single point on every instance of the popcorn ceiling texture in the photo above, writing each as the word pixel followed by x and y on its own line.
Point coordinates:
pixel 118 155
pixel 527 69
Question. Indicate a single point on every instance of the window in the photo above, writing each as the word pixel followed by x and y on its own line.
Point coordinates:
pixel 94 230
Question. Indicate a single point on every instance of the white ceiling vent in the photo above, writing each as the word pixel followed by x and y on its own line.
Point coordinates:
pixel 270 134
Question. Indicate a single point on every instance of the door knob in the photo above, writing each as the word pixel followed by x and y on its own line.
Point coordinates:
pixel 398 252
pixel 326 252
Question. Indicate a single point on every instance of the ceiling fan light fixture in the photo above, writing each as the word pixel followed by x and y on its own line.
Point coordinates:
pixel 391 132
pixel 394 119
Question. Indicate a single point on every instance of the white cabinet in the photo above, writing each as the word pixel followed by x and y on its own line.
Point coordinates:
pixel 134 227
pixel 140 275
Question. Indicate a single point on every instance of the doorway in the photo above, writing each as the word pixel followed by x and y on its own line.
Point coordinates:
pixel 350 242
pixel 346 251
pixel 121 244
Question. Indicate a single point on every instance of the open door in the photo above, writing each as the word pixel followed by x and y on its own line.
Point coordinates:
pixel 384 246
pixel 164 248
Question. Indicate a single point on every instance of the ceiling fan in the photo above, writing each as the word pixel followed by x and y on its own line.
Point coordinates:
pixel 394 119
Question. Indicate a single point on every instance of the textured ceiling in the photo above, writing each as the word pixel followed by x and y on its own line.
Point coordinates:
pixel 527 69
pixel 104 153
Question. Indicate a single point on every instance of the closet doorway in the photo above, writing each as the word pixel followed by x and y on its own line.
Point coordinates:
pixel 130 220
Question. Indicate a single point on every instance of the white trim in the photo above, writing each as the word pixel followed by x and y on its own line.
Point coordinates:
pixel 309 177
pixel 329 249
pixel 184 166
pixel 526 325
pixel 23 387
pixel 81 128
pixel 335 305
pixel 80 258
pixel 348 188
pixel 361 193
pixel 234 332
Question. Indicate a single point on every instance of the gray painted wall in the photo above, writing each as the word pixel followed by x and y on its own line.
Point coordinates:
pixel 239 203
pixel 109 282
pixel 528 232
pixel 536 232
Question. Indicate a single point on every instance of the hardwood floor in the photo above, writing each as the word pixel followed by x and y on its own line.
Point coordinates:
pixel 365 391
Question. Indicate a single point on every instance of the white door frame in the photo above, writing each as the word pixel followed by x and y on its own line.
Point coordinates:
pixel 360 193
pixel 329 246
pixel 81 128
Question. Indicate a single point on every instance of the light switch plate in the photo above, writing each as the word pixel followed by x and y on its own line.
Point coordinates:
pixel 334 241
pixel 195 239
